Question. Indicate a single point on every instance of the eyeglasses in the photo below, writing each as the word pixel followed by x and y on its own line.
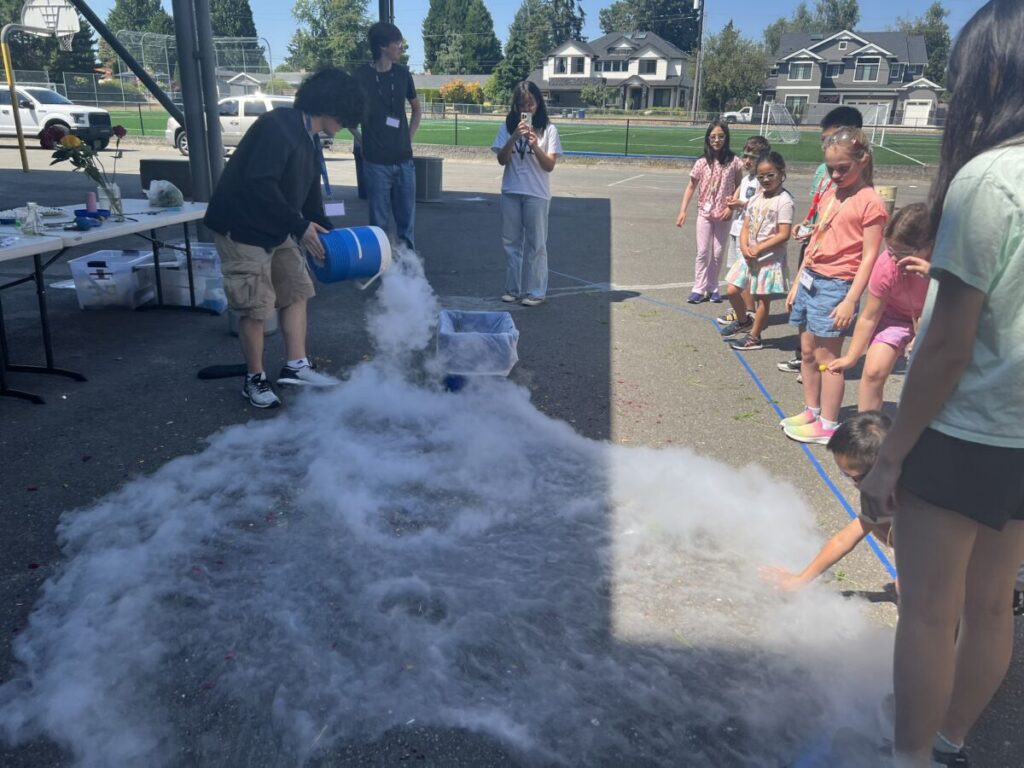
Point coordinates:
pixel 901 253
pixel 750 156
pixel 716 139
pixel 767 176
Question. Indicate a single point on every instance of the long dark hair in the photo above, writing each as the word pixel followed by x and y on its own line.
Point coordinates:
pixel 986 105
pixel 725 155
pixel 540 117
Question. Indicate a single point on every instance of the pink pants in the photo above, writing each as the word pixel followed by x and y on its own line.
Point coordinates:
pixel 711 243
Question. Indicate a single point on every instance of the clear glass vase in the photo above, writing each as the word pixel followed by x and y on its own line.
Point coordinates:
pixel 109 196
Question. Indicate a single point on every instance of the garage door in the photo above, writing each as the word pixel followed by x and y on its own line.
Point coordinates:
pixel 917 113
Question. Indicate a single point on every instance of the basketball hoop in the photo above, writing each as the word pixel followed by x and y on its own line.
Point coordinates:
pixel 51 17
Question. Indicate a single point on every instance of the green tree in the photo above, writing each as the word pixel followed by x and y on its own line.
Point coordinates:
pixel 675 21
pixel 597 94
pixel 530 39
pixel 140 16
pixel 836 15
pixel 330 32
pixel 463 32
pixel 233 18
pixel 932 25
pixel 567 18
pixel 734 70
pixel 802 20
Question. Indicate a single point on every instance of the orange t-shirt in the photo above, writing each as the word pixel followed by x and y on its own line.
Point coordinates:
pixel 837 247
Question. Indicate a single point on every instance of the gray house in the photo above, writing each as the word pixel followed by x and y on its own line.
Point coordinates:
pixel 643 69
pixel 856 68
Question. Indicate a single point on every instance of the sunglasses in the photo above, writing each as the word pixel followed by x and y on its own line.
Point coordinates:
pixel 844 136
pixel 750 156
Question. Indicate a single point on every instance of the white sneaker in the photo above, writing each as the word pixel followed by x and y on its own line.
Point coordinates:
pixel 306 376
pixel 532 301
pixel 508 298
pixel 257 391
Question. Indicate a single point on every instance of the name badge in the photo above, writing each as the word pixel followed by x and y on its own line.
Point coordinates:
pixel 392 122
pixel 707 207
pixel 806 279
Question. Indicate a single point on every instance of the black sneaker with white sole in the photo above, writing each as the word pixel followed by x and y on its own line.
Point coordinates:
pixel 306 376
pixel 257 390
pixel 953 759
pixel 790 366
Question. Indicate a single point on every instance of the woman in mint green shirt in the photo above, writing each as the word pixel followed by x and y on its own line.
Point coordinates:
pixel 951 470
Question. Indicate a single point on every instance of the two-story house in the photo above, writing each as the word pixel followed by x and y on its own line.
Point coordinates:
pixel 643 69
pixel 856 68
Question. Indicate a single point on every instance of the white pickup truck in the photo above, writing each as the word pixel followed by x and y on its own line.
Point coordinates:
pixel 41 108
pixel 744 115
pixel 237 114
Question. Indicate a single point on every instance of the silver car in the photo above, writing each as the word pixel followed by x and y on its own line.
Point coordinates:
pixel 237 113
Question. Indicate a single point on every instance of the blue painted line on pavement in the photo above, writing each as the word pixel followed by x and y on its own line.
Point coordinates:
pixel 875 547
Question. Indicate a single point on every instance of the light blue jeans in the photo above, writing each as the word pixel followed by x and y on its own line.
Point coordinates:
pixel 392 189
pixel 524 234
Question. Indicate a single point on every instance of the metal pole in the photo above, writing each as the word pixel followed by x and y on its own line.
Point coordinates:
pixel 192 100
pixel 208 73
pixel 5 50
pixel 127 58
pixel 386 10
pixel 626 153
pixel 700 55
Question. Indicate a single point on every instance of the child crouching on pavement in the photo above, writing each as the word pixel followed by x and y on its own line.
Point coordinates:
pixel 854 446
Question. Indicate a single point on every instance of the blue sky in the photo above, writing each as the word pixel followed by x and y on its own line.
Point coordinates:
pixel 274 20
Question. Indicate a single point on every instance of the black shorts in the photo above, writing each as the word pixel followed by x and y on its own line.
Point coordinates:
pixel 982 482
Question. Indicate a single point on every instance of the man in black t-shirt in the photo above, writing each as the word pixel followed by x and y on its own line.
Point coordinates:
pixel 386 134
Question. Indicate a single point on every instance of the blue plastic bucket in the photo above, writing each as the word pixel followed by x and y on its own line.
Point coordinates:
pixel 353 253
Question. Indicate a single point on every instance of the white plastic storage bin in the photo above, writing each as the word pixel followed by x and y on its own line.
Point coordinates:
pixel 477 343
pixel 207 280
pixel 113 279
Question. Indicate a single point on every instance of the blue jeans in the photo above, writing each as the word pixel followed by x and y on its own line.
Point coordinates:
pixel 524 233
pixel 392 188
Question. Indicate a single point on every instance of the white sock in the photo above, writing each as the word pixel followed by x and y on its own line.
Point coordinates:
pixel 829 424
pixel 942 744
pixel 302 362
pixel 816 412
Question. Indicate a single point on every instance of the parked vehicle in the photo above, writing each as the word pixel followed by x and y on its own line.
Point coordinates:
pixel 237 114
pixel 744 115
pixel 41 108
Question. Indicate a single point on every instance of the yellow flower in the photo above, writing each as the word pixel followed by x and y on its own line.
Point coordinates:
pixel 71 142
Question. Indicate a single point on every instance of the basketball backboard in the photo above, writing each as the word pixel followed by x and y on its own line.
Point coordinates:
pixel 58 17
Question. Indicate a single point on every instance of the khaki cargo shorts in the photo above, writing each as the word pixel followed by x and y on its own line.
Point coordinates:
pixel 257 282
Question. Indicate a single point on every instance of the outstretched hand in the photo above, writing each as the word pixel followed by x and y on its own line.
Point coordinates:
pixel 311 241
pixel 780 578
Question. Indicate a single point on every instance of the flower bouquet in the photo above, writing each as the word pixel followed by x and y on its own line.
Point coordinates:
pixel 70 148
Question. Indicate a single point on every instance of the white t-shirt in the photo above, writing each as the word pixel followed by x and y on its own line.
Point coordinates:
pixel 981 242
pixel 764 215
pixel 749 186
pixel 523 174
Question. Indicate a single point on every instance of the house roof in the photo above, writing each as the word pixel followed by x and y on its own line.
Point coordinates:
pixel 922 82
pixel 638 40
pixel 575 83
pixel 906 48
pixel 585 47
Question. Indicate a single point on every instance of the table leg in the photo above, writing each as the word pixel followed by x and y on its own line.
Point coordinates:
pixel 156 268
pixel 188 266
pixel 192 306
pixel 6 391
pixel 44 322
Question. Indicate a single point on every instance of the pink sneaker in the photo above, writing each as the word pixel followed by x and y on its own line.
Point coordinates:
pixel 806 416
pixel 810 433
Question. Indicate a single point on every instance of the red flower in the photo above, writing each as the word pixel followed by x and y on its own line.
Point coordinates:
pixel 50 138
pixel 119 131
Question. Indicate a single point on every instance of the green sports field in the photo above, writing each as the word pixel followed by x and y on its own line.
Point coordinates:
pixel 673 140
pixel 614 138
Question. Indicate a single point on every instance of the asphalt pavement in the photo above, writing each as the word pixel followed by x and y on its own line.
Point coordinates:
pixel 615 352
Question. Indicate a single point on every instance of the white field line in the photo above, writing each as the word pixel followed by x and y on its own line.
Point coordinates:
pixel 908 157
pixel 623 181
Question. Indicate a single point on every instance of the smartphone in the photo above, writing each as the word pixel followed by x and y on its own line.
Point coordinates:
pixel 804 230
pixel 527 118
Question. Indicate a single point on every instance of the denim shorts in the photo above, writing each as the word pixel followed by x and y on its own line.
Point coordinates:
pixel 812 307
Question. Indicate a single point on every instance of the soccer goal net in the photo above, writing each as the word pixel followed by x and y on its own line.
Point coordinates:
pixel 876 118
pixel 778 125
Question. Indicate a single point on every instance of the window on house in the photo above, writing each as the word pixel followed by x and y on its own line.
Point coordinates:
pixel 577 65
pixel 560 65
pixel 842 45
pixel 917 70
pixel 867 70
pixel 896 72
pixel 796 106
pixel 648 66
pixel 800 70
pixel 662 97
pixel 834 70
